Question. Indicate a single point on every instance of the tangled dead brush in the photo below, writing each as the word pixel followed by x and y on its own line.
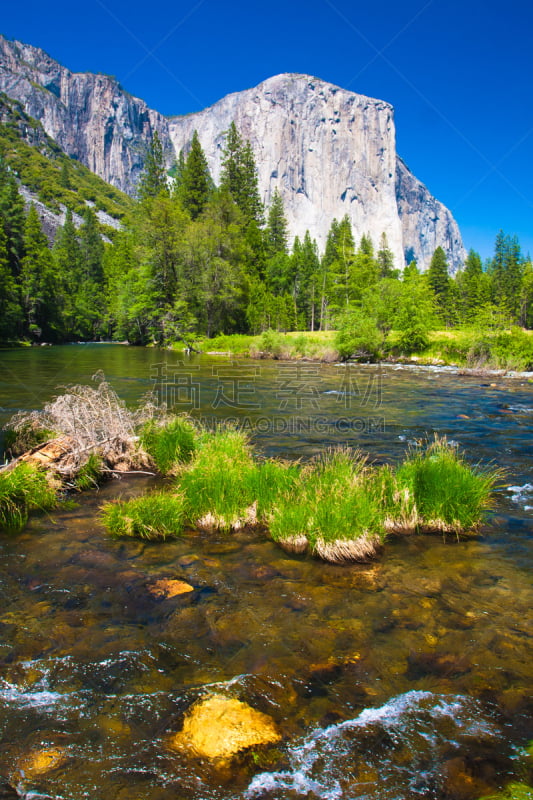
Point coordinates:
pixel 90 421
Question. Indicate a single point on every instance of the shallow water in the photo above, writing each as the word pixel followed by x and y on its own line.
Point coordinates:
pixel 406 678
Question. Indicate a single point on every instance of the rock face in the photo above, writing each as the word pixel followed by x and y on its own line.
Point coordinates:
pixel 90 116
pixel 426 223
pixel 330 152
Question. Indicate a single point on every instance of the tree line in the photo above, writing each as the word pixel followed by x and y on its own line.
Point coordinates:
pixel 196 259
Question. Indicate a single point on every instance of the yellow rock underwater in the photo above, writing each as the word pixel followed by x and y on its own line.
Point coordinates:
pixel 219 727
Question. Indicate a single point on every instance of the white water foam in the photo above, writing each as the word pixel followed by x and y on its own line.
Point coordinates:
pixel 522 495
pixel 421 721
pixel 519 408
pixel 43 700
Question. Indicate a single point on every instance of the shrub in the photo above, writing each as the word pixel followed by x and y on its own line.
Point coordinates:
pixel 274 344
pixel 359 337
pixel 449 495
pixel 155 516
pixel 171 443
pixel 413 338
pixel 23 489
pixel 513 349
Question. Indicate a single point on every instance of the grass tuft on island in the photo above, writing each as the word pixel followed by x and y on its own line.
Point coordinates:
pixel 170 442
pixel 156 516
pixel 217 486
pixel 23 489
pixel 441 491
pixel 333 509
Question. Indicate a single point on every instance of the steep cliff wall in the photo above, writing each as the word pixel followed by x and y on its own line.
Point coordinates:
pixel 90 116
pixel 426 223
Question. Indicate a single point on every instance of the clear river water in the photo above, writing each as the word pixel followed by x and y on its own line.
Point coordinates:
pixel 408 677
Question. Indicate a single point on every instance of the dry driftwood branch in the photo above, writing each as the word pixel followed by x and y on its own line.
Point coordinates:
pixel 87 420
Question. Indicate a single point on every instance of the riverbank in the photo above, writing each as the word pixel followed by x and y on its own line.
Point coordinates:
pixel 497 353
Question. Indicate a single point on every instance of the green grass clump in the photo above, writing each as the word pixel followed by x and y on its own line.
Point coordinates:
pixel 23 489
pixel 90 474
pixel 155 516
pixel 269 481
pixel 217 485
pixel 339 508
pixel 449 495
pixel 237 343
pixel 170 444
pixel 334 509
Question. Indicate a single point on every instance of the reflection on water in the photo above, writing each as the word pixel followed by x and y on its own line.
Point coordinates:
pixel 406 678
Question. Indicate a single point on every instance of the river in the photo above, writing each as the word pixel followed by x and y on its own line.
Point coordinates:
pixel 409 677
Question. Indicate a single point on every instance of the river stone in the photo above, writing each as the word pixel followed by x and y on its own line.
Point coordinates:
pixel 39 762
pixel 167 587
pixel 218 727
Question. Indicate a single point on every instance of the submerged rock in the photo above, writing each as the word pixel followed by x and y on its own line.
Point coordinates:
pixel 168 587
pixel 218 727
pixel 39 762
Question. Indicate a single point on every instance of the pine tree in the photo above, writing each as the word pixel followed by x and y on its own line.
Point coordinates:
pixel 153 180
pixel 64 175
pixel 239 176
pixel 38 287
pixel 10 310
pixel 526 296
pixel 385 259
pixel 506 273
pixel 13 216
pixel 513 277
pixel 364 270
pixel 276 234
pixel 471 286
pixel 251 204
pixel 439 281
pixel 92 248
pixel 68 261
pixel 194 184
pixel 305 268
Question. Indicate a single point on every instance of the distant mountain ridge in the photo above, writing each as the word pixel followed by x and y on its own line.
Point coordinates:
pixel 330 152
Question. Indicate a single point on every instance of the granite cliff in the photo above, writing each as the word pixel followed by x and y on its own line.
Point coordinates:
pixel 329 151
pixel 90 116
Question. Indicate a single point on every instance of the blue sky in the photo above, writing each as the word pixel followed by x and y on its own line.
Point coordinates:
pixel 459 74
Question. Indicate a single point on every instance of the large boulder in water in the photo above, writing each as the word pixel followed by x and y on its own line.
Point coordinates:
pixel 218 727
